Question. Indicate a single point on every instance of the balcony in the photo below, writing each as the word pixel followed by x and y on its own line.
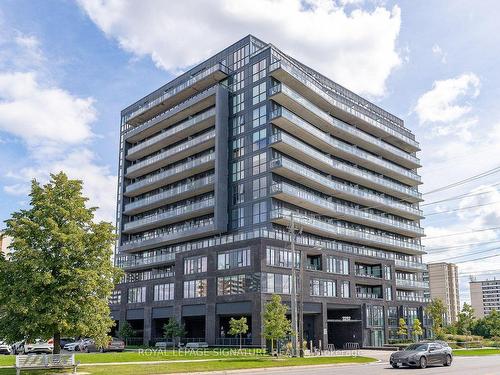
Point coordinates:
pixel 410 265
pixel 172 116
pixel 172 135
pixel 171 175
pixel 177 233
pixel 183 191
pixel 305 176
pixel 179 93
pixel 291 123
pixel 313 202
pixel 334 230
pixel 181 213
pixel 368 296
pixel 353 114
pixel 412 284
pixel 314 115
pixel 411 298
pixel 133 262
pixel 318 160
pixel 172 154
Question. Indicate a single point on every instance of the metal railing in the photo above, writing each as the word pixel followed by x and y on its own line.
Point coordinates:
pixel 412 283
pixel 132 261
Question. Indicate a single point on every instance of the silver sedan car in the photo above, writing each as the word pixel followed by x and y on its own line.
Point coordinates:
pixel 423 354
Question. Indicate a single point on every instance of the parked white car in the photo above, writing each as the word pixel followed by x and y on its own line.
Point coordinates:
pixel 39 346
pixel 77 346
pixel 4 348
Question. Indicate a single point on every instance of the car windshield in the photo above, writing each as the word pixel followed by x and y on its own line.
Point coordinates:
pixel 417 347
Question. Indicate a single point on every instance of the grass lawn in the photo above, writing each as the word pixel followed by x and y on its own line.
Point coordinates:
pixel 228 364
pixel 475 352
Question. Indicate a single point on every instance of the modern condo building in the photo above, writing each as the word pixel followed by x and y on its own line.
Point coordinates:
pixel 214 167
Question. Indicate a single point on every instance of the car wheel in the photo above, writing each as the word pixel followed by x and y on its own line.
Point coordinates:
pixel 394 365
pixel 87 350
pixel 447 361
pixel 423 362
pixel 101 350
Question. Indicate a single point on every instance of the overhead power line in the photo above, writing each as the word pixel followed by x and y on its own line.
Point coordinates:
pixel 461 209
pixel 471 260
pixel 446 248
pixel 472 253
pixel 460 196
pixel 461 233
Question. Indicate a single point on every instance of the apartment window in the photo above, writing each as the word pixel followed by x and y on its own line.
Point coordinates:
pixel 164 292
pixel 258 93
pixel 259 187
pixel 392 316
pixel 240 57
pixel 238 193
pixel 388 293
pixel 238 217
pixel 345 289
pixel 116 297
pixel 195 288
pixel 238 170
pixel 233 259
pixel 196 264
pixel 276 283
pixel 229 285
pixel 259 139
pixel 323 288
pixel 238 102
pixel 337 265
pixel 238 147
pixel 279 257
pixel 259 116
pixel 387 272
pixel 258 70
pixel 137 295
pixel 374 316
pixel 238 124
pixel 259 163
pixel 259 212
pixel 238 81
pixel 410 314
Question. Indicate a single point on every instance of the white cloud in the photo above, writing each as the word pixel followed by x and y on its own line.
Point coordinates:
pixel 356 48
pixel 54 126
pixel 441 103
pixel 438 52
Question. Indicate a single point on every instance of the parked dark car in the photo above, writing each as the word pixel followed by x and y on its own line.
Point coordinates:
pixel 422 354
pixel 115 345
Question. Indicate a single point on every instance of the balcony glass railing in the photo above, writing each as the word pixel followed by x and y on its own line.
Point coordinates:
pixel 300 76
pixel 171 230
pixel 355 234
pixel 182 210
pixel 191 164
pixel 412 283
pixel 343 209
pixel 368 296
pixel 173 130
pixel 174 91
pixel 410 298
pixel 364 273
pixel 336 144
pixel 194 185
pixel 343 188
pixel 146 275
pixel 133 261
pixel 409 264
pixel 365 175
pixel 171 151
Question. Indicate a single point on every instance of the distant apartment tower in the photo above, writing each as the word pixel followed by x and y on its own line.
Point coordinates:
pixel 443 283
pixel 5 242
pixel 214 167
pixel 485 297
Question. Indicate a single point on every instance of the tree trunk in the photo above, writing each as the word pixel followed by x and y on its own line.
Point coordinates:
pixel 57 343
pixel 240 341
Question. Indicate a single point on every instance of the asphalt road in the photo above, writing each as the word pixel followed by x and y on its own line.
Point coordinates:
pixel 486 365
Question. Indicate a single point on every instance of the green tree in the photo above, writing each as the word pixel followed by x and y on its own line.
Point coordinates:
pixel 436 311
pixel 276 325
pixel 60 276
pixel 238 327
pixel 417 329
pixel 465 320
pixel 174 330
pixel 402 328
pixel 126 331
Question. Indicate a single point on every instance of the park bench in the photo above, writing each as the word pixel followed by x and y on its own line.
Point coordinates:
pixel 196 345
pixel 45 362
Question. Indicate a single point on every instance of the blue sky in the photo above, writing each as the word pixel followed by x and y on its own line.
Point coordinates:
pixel 68 68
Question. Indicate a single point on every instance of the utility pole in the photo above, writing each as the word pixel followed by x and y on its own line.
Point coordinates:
pixel 301 305
pixel 293 302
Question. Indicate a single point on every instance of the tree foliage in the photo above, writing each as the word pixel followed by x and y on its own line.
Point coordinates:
pixel 436 311
pixel 276 325
pixel 402 328
pixel 60 275
pixel 126 331
pixel 238 327
pixel 173 329
pixel 417 329
pixel 465 320
pixel 489 326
